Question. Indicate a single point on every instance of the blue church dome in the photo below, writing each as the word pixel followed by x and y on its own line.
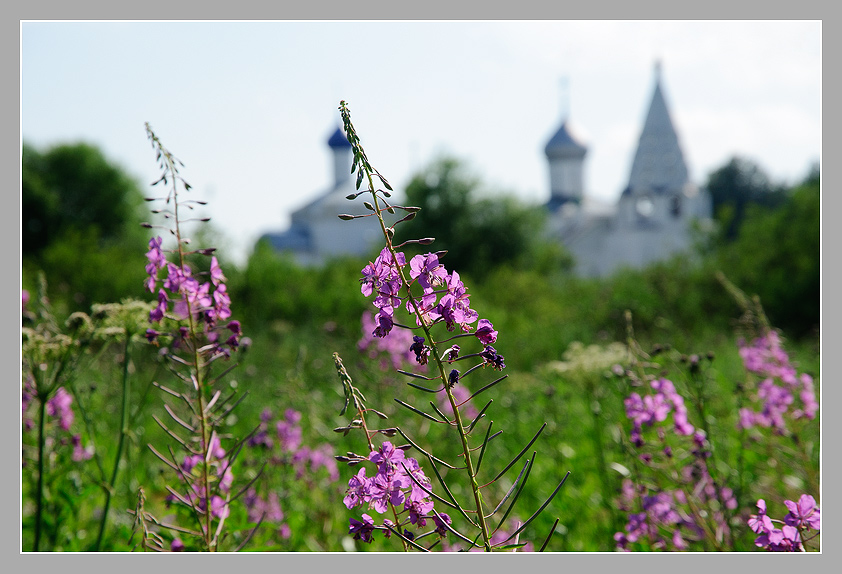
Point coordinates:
pixel 338 140
pixel 564 143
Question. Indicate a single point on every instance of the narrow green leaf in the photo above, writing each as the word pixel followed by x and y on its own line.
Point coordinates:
pixel 424 452
pixel 450 494
pixel 540 510
pixel 511 546
pixel 550 535
pixel 416 411
pixel 484 443
pixel 441 414
pixel 408 374
pixel 247 486
pixel 405 539
pixel 420 388
pixel 454 531
pixel 520 454
pixel 511 489
pixel 517 494
pixel 479 416
pixel 486 387
pixel 427 490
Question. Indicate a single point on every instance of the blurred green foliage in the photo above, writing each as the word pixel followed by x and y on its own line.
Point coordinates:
pixel 737 186
pixel 296 317
pixel 80 223
pixel 479 232
pixel 776 256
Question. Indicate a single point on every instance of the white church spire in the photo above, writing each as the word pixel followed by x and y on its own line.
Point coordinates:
pixel 658 164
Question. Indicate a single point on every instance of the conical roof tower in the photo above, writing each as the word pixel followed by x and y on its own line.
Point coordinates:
pixel 658 165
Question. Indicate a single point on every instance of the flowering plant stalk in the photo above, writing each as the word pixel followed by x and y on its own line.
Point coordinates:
pixel 50 355
pixel 443 303
pixel 194 329
pixel 673 496
pixel 679 495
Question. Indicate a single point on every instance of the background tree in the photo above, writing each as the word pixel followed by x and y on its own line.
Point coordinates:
pixel 479 233
pixel 734 187
pixel 80 224
pixel 777 256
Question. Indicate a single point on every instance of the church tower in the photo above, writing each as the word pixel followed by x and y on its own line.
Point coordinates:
pixel 566 157
pixel 341 148
pixel 659 180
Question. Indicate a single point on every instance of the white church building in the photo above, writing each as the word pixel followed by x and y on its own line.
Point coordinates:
pixel 655 215
pixel 652 220
pixel 316 233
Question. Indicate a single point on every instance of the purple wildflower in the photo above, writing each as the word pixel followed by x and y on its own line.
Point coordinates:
pixel 358 491
pixel 384 321
pixel 760 522
pixel 362 530
pixel 157 261
pixel 59 406
pixel 217 277
pixel 156 314
pixel 804 514
pixel 491 357
pixel 766 358
pixel 387 457
pixel 418 511
pixel 440 522
pixel 453 378
pixel 391 349
pixel 288 431
pixel 452 353
pixel 485 332
pixel 422 351
pixel 80 453
pixel 427 270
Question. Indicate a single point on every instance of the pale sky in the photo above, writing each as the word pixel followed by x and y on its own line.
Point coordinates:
pixel 248 106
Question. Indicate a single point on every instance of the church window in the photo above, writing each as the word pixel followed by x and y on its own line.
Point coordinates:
pixel 644 206
pixel 675 206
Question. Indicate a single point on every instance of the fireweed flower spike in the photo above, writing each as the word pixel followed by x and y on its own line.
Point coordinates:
pixel 796 527
pixel 438 300
pixel 192 322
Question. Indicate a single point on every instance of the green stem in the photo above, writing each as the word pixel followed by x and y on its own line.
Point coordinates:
pixel 39 507
pixel 599 446
pixel 124 430
pixel 198 366
pixel 463 436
